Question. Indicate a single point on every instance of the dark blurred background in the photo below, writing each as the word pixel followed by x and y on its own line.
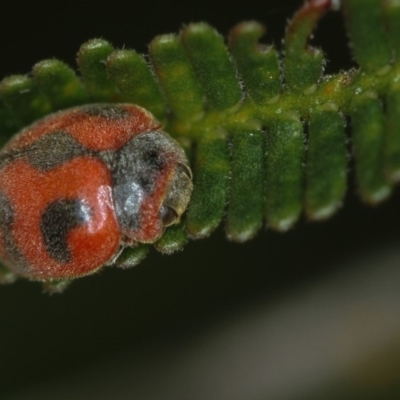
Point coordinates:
pixel 218 320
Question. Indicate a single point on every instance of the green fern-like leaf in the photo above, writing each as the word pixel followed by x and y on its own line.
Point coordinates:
pixel 265 130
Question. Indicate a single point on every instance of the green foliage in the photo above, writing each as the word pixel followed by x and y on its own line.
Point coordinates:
pixel 265 131
pixel 246 209
pixel 211 184
pixel 368 143
pixel 326 163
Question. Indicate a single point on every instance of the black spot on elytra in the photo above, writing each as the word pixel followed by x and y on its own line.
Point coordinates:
pixel 57 220
pixel 49 151
pixel 54 149
pixel 6 213
pixel 106 111
pixel 12 252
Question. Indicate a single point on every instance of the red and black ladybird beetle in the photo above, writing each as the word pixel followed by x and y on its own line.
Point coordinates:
pixel 80 185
